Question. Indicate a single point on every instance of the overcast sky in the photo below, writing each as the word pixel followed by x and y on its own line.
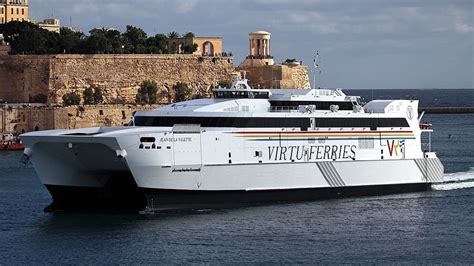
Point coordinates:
pixel 363 43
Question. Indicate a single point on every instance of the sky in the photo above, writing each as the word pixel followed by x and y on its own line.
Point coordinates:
pixel 366 44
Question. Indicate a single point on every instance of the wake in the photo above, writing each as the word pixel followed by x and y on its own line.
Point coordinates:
pixel 458 180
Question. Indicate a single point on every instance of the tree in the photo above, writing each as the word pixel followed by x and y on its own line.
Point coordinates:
pixel 92 96
pixel 98 43
pixel 182 92
pixel 134 37
pixel 225 83
pixel 173 35
pixel 189 49
pixel 98 98
pixel 188 35
pixel 71 98
pixel 88 96
pixel 69 40
pixel 147 93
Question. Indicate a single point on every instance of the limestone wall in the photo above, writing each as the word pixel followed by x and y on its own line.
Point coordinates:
pixel 25 118
pixel 22 76
pixel 299 74
pixel 119 76
pixel 277 76
pixel 101 115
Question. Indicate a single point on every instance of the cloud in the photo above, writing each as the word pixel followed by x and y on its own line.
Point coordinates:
pixel 186 6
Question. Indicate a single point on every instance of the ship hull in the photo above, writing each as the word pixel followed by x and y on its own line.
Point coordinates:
pixel 124 198
pixel 119 195
pixel 159 200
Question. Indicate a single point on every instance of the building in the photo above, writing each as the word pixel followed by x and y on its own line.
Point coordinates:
pixel 51 24
pixel 13 10
pixel 259 50
pixel 205 46
pixel 262 71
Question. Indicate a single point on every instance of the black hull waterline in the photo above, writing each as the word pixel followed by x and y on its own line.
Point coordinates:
pixel 127 200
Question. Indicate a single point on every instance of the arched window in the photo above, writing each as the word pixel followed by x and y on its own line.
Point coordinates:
pixel 207 48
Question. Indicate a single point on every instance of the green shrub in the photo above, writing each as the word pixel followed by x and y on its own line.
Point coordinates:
pixel 225 83
pixel 88 96
pixel 147 93
pixel 182 92
pixel 71 98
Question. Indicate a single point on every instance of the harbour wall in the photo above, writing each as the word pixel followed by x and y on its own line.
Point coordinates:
pixel 20 118
pixel 444 110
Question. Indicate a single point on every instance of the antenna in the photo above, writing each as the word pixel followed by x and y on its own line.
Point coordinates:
pixel 316 66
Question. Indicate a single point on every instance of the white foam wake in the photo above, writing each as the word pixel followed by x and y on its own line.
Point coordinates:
pixel 456 180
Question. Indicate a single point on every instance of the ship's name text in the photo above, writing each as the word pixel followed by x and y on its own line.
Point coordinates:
pixel 313 152
pixel 183 139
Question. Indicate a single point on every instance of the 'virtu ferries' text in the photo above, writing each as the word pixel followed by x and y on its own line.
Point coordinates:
pixel 313 152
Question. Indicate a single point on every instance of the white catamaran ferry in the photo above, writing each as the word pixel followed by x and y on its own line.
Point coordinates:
pixel 243 146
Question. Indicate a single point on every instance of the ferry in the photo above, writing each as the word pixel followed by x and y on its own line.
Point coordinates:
pixel 243 146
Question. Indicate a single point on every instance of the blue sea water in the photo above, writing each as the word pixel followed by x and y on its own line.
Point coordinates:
pixel 428 227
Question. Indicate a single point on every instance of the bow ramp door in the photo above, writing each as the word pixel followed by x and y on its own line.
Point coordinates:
pixel 187 147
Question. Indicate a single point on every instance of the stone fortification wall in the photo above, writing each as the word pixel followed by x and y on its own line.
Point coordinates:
pixel 22 76
pixel 101 115
pixel 25 118
pixel 299 74
pixel 119 76
pixel 277 76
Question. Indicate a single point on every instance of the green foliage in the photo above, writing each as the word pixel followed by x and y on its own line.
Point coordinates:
pixel 188 35
pixel 224 83
pixel 28 38
pixel 71 98
pixel 173 35
pixel 92 96
pixel 189 49
pixel 98 97
pixel 135 39
pixel 69 40
pixel 88 96
pixel 182 92
pixel 147 93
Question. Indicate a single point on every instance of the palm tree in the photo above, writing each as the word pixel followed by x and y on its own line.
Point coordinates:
pixel 173 35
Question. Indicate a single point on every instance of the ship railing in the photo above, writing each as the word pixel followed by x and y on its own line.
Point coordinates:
pixel 426 140
pixel 284 109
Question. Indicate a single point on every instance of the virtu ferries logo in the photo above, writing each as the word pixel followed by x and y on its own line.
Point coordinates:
pixel 395 146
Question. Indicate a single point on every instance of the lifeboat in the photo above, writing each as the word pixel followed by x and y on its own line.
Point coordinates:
pixel 424 125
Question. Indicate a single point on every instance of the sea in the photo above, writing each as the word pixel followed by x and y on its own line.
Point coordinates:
pixel 434 227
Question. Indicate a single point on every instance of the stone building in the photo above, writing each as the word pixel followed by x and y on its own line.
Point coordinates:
pixel 206 46
pixel 51 24
pixel 262 72
pixel 13 10
pixel 259 50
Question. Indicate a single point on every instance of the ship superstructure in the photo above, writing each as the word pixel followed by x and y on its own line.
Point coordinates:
pixel 242 146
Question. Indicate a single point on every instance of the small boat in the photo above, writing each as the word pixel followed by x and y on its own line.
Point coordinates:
pixel 424 125
pixel 11 147
pixel 11 143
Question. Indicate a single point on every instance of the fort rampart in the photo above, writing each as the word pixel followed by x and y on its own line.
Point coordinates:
pixel 23 77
